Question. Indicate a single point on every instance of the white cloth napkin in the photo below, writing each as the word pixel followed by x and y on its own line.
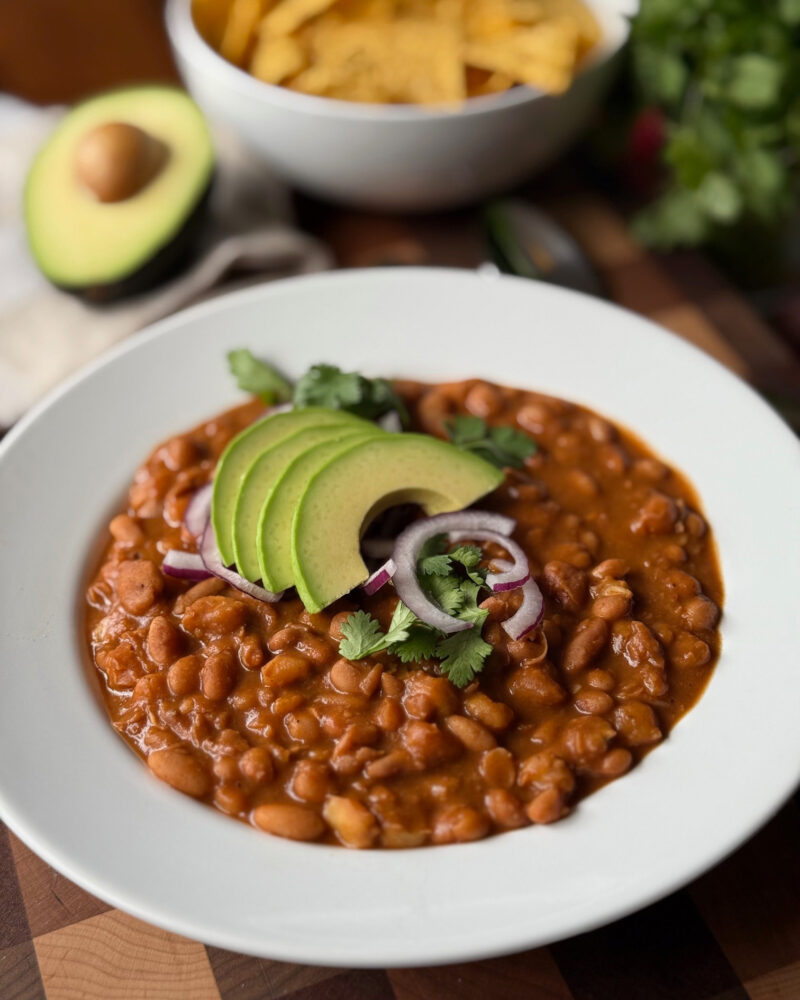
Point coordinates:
pixel 46 334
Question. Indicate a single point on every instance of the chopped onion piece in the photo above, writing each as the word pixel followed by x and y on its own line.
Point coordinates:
pixel 406 553
pixel 197 512
pixel 531 611
pixel 380 577
pixel 517 572
pixel 184 565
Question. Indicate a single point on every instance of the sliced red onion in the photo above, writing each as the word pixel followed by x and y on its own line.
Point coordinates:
pixel 517 572
pixel 391 422
pixel 196 516
pixel 531 611
pixel 184 565
pixel 380 577
pixel 406 553
pixel 212 561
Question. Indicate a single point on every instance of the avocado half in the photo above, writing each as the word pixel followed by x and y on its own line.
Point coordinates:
pixel 104 250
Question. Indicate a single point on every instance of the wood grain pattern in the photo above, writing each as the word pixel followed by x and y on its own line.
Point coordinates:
pixel 115 957
pixel 19 973
pixel 752 901
pixel 51 901
pixel 533 975
pixel 246 978
pixel 782 984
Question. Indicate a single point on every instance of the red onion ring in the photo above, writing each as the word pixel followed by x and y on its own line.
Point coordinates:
pixel 517 572
pixel 531 611
pixel 380 577
pixel 184 565
pixel 406 552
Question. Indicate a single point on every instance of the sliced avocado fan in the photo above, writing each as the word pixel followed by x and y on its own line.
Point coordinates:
pixel 261 478
pixel 245 449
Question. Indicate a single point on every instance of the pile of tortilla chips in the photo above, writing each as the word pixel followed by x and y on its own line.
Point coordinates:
pixel 433 52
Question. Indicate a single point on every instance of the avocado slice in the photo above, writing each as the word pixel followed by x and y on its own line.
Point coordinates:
pixel 261 477
pixel 245 448
pixel 114 199
pixel 356 485
pixel 274 535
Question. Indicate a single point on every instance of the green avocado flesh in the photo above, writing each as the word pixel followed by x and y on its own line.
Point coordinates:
pixel 82 243
pixel 274 536
pixel 261 478
pixel 245 448
pixel 356 485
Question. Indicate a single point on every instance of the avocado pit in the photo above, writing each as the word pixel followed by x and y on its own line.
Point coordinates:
pixel 116 160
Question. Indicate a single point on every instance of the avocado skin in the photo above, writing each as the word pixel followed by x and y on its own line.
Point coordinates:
pixel 174 257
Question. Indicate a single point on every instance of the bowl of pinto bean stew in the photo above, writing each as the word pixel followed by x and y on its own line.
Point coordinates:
pixel 397 617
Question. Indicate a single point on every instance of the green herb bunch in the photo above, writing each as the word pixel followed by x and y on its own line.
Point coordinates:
pixel 726 75
pixel 452 580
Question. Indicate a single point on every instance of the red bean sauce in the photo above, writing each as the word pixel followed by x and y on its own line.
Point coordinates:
pixel 249 707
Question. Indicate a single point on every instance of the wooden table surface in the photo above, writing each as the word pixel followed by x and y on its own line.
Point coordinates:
pixel 732 934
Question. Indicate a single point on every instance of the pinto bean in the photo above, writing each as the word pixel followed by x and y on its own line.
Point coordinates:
pixel 493 714
pixel 458 824
pixel 218 675
pixel 284 669
pixel 184 675
pixel 586 645
pixel 657 515
pixel 208 617
pixel 352 822
pixel 472 734
pixel 565 584
pixel 293 822
pixel 139 585
pixel 163 641
pixel 505 808
pixel 181 769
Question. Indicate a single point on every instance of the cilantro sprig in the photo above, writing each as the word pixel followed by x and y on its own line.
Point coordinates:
pixel 322 385
pixel 724 79
pixel 453 580
pixel 502 446
pixel 259 378
pixel 329 386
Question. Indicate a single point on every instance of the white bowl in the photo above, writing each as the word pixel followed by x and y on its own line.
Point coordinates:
pixel 75 793
pixel 397 157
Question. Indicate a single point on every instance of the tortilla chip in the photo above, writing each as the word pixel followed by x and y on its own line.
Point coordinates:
pixel 543 56
pixel 276 59
pixel 240 30
pixel 289 15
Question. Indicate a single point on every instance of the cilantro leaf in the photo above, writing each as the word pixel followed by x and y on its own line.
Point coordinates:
pixel 257 377
pixel 444 591
pixel 361 634
pixel 502 446
pixel 401 622
pixel 435 565
pixel 469 556
pixel 463 654
pixel 420 644
pixel 329 386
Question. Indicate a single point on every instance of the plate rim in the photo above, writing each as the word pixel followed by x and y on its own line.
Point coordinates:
pixel 190 928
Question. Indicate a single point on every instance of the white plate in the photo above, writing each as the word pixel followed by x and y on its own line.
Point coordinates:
pixel 74 792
